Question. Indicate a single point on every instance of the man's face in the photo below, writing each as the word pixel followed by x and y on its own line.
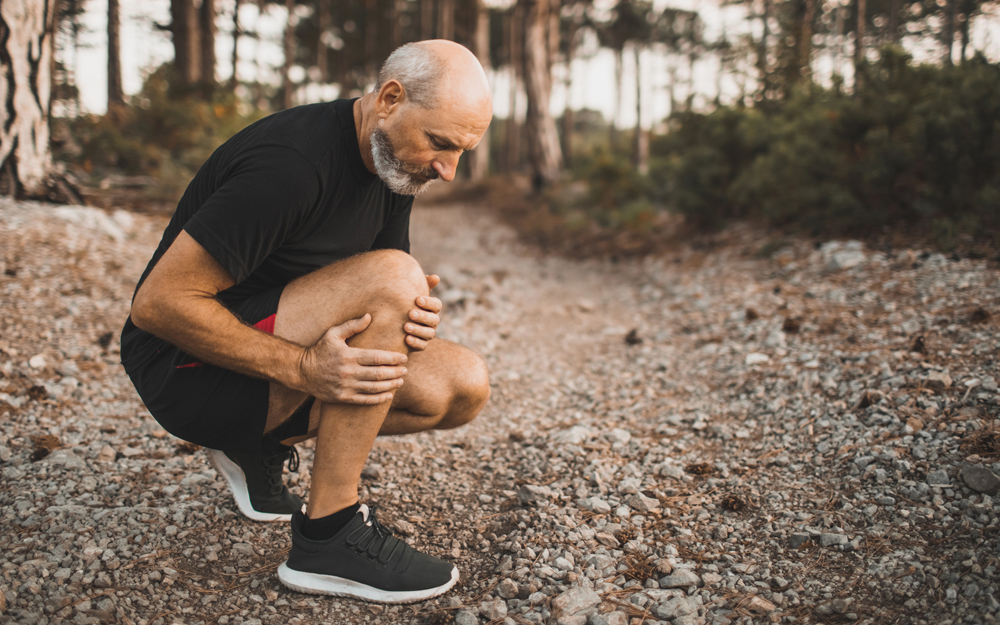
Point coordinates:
pixel 417 145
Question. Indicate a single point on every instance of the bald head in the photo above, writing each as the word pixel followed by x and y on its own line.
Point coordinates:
pixel 436 72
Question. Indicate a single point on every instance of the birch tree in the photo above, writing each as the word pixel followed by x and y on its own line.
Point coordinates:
pixel 26 32
pixel 543 139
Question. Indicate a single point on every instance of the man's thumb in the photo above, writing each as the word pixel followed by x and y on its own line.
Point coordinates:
pixel 351 327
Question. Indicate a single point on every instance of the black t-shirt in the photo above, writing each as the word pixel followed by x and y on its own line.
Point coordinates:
pixel 285 196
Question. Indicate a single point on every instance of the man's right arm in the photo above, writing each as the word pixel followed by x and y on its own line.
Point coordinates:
pixel 177 302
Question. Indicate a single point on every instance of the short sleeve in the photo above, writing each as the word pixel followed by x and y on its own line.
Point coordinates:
pixel 266 197
pixel 395 235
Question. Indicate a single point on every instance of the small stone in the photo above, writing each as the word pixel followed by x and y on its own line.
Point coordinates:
pixel 756 358
pixel 37 361
pixel 372 471
pixel 914 425
pixel 680 579
pixel 495 609
pixel 529 493
pixel 674 608
pixel 507 589
pixel 610 618
pixel 608 540
pixel 827 540
pixel 760 605
pixel 664 566
pixel 711 579
pixel 107 454
pixel 939 477
pixel 466 616
pixel 980 479
pixel 938 380
pixel 595 505
pixel 798 539
pixel 576 601
pixel 243 549
pixel 642 503
pixel 3 602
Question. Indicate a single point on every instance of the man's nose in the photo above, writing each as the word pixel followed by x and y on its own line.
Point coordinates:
pixel 446 166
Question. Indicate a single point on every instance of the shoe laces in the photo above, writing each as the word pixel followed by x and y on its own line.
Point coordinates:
pixel 273 466
pixel 374 540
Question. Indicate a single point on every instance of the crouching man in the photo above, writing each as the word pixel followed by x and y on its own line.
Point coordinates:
pixel 282 304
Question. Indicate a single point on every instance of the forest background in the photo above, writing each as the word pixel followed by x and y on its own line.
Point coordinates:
pixel 819 120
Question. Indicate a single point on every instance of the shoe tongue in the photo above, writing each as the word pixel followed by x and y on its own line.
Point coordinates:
pixel 363 509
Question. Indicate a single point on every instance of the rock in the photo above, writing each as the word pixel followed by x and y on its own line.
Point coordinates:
pixel 66 458
pixel 980 479
pixel 845 259
pixel 37 361
pixel 372 471
pixel 760 605
pixel 243 549
pixel 827 540
pixel 682 578
pixel 571 619
pixel 529 493
pixel 576 601
pixel 939 478
pixel 837 606
pixel 619 436
pixel 664 566
pixel 937 380
pixel 107 454
pixel 507 589
pixel 914 425
pixel 756 358
pixel 495 609
pixel 595 505
pixel 608 540
pixel 673 608
pixel 609 618
pixel 641 503
pixel 466 616
pixel 3 602
pixel 573 436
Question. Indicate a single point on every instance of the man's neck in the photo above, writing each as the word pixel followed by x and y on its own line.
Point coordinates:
pixel 365 121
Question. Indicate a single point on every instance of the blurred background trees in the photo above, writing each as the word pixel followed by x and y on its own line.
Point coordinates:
pixel 809 114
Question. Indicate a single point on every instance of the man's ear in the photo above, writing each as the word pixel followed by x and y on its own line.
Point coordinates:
pixel 390 97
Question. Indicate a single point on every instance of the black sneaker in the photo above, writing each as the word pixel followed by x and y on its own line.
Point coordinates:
pixel 256 483
pixel 365 561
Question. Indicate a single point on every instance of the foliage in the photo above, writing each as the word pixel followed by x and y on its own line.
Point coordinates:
pixel 920 147
pixel 157 134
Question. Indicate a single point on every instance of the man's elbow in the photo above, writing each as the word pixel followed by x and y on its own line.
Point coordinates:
pixel 144 310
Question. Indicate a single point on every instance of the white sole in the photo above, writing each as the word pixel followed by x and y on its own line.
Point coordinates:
pixel 233 474
pixel 316 584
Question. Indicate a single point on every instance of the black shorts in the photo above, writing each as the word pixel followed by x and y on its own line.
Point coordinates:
pixel 208 405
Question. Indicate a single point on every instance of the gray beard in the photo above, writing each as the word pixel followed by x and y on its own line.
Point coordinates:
pixel 397 175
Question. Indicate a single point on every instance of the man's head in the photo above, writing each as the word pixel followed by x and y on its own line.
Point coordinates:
pixel 432 102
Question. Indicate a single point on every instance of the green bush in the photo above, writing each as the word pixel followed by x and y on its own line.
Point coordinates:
pixel 919 147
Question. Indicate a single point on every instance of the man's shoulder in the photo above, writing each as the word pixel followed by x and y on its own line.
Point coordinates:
pixel 311 130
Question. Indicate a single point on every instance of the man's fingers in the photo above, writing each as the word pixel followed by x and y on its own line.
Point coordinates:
pixel 415 343
pixel 419 331
pixel 369 357
pixel 351 327
pixel 369 400
pixel 374 388
pixel 427 302
pixel 433 280
pixel 381 373
pixel 424 318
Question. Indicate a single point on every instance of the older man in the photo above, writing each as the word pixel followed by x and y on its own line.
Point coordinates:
pixel 282 305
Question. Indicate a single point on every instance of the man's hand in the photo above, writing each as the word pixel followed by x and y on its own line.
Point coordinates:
pixel 424 319
pixel 334 372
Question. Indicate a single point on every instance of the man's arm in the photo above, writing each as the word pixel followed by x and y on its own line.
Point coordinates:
pixel 177 303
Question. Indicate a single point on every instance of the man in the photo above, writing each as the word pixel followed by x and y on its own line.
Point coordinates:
pixel 282 305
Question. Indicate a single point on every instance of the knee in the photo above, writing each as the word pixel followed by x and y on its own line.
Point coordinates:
pixel 470 391
pixel 396 276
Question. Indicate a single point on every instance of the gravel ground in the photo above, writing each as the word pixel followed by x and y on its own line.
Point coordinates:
pixel 703 438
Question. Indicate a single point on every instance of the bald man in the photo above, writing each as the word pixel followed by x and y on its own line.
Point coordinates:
pixel 282 304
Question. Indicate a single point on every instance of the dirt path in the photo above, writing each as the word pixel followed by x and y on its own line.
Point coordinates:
pixel 705 438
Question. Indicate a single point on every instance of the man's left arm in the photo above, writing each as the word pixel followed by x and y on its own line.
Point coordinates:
pixel 425 317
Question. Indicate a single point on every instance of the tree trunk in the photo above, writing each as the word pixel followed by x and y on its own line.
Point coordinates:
pixel 640 141
pixel 965 36
pixel 949 32
pixel 234 79
pixel 805 41
pixel 446 19
pixel 859 46
pixel 895 35
pixel 116 96
pixel 543 140
pixel 515 44
pixel 187 42
pixel 288 89
pixel 27 29
pixel 480 158
pixel 567 120
pixel 426 19
pixel 555 6
pixel 762 51
pixel 206 28
pixel 613 131
pixel 672 86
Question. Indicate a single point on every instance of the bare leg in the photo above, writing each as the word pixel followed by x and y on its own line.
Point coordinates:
pixel 383 284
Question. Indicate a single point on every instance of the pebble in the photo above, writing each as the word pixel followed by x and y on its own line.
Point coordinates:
pixel 980 479
pixel 680 579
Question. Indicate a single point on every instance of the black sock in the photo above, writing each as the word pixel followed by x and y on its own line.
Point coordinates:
pixel 324 528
